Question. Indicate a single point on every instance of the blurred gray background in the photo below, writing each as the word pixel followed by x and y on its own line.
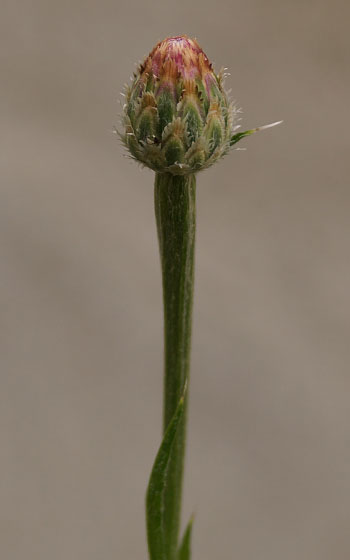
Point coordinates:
pixel 268 464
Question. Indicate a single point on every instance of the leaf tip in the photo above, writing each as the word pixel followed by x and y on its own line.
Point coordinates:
pixel 265 126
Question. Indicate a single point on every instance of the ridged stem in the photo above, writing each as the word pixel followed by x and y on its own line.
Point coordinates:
pixel 175 216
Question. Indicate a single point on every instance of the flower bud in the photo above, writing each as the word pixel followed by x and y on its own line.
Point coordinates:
pixel 177 115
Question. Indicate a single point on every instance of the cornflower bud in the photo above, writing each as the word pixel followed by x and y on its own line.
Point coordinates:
pixel 177 116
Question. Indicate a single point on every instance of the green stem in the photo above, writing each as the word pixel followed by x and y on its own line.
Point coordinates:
pixel 175 216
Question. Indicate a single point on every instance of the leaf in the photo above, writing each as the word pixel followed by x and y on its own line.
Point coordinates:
pixel 156 488
pixel 239 135
pixel 184 552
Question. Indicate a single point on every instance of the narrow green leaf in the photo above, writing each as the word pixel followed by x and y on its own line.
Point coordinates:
pixel 184 552
pixel 239 135
pixel 156 488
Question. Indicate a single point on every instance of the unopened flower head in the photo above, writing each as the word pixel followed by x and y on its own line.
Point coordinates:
pixel 177 116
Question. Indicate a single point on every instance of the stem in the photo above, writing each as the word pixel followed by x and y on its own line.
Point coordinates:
pixel 175 216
